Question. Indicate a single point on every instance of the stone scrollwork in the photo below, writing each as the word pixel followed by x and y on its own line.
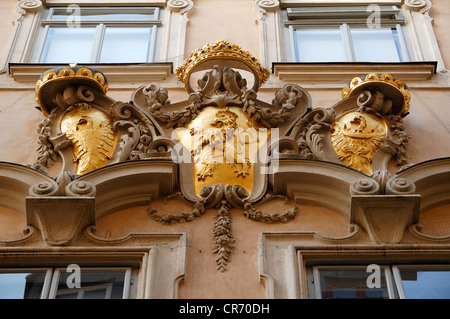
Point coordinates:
pixel 400 186
pixel 366 186
pixel 180 5
pixel 267 4
pixel 80 188
pixel 23 6
pixel 43 189
pixel 418 5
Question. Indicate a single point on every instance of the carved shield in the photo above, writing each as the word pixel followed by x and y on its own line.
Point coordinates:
pixel 356 137
pixel 223 144
pixel 92 136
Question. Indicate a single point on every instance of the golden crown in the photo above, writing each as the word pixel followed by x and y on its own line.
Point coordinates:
pixel 393 88
pixel 221 50
pixel 55 79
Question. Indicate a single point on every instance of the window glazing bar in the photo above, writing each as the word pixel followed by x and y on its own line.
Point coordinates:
pixel 347 42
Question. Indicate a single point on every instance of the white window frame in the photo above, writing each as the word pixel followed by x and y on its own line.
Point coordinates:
pixel 100 28
pixel 316 275
pixel 17 62
pixel 391 271
pixel 50 286
pixel 420 37
pixel 47 279
pixel 397 276
pixel 54 292
pixel 343 18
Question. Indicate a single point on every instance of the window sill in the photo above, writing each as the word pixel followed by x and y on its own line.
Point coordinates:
pixel 337 72
pixel 115 73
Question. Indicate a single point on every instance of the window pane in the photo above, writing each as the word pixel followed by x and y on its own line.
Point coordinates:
pixel 126 45
pixel 319 45
pixel 68 45
pixel 426 284
pixel 352 284
pixel 95 284
pixel 22 285
pixel 376 45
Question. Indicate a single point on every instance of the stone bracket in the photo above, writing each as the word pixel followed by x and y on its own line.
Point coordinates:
pixel 60 219
pixel 385 217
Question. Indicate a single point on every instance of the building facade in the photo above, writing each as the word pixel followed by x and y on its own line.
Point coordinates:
pixel 224 149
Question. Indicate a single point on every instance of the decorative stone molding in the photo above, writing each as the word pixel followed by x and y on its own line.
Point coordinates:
pixel 420 27
pixel 423 6
pixel 182 6
pixel 431 180
pixel 385 217
pixel 270 31
pixel 163 263
pixel 161 258
pixel 118 75
pixel 24 28
pixel 416 230
pixel 284 257
pixel 24 6
pixel 28 234
pixel 324 74
pixel 60 219
pixel 175 20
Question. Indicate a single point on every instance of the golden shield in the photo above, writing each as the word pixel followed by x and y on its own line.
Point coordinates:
pixel 224 144
pixel 91 133
pixel 356 137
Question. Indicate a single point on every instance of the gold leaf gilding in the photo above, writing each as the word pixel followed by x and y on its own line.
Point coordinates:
pixel 92 136
pixel 356 137
pixel 223 142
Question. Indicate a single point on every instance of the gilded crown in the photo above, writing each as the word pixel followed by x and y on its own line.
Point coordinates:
pixel 392 87
pixel 56 79
pixel 211 54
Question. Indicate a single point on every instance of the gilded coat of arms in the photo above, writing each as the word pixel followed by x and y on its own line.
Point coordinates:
pixel 356 137
pixel 223 143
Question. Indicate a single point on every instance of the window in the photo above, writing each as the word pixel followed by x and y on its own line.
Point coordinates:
pixel 52 283
pixel 347 34
pixel 394 281
pixel 98 35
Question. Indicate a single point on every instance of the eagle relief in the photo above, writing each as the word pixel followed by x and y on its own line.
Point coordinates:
pixel 223 142
pixel 356 137
pixel 91 134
